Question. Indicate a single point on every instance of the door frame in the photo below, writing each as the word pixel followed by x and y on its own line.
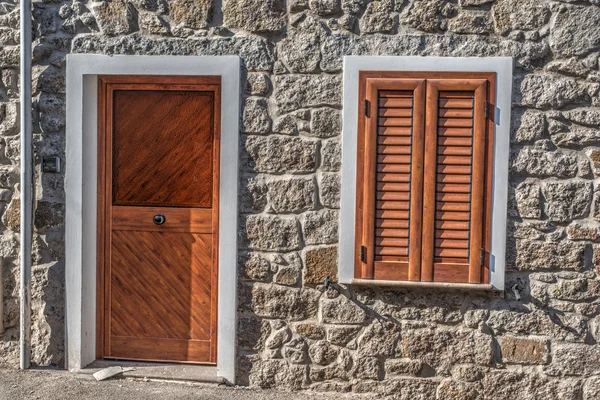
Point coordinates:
pixel 81 193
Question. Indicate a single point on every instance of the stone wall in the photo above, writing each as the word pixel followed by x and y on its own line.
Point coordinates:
pixel 539 341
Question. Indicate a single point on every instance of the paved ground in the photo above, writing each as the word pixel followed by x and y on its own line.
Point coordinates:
pixel 62 385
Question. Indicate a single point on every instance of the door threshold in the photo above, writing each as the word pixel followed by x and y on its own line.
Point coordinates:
pixel 163 371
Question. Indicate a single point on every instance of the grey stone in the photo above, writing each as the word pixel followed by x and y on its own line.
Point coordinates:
pixel 527 195
pixel 152 23
pixel 341 335
pixel 310 330
pixel 575 31
pixel 474 3
pixel 549 91
pixel 320 227
pixel 255 267
pixel 571 328
pixel 274 301
pixel 269 233
pixel 471 23
pixel 565 201
pixel 276 373
pixel 528 126
pixel 342 310
pixel 298 5
pixel 512 15
pixel 330 190
pixel 377 17
pixel 287 276
pixel 299 91
pixel 325 7
pixel 437 346
pixel 331 156
pixel 300 50
pixel 534 255
pixel 278 338
pixel 583 231
pixel 543 163
pixel 52 112
pixel 115 17
pixel 353 6
pixel 453 390
pixel 403 367
pixel 292 195
pixel 295 351
pixel 379 339
pixel 584 116
pixel 591 388
pixel 368 368
pixel 524 350
pixel 255 118
pixel 576 137
pixel 575 359
pixel 258 84
pixel 254 15
pixel 325 122
pixel 280 154
pixel 195 14
pixel 286 125
pixel 252 333
pixel 9 124
pixel 428 15
pixel 502 385
pixel 322 353
pixel 320 263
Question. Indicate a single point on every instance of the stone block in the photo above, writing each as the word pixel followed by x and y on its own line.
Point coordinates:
pixel 524 15
pixel 341 335
pixel 325 122
pixel 379 339
pixel 255 118
pixel 550 91
pixel 195 14
pixel 275 154
pixel 535 255
pixel 293 92
pixel 524 350
pixel 543 163
pixel 574 32
pixel 504 385
pixel 428 15
pixel 566 201
pixel 320 263
pixel 527 196
pixel 342 310
pixel 453 390
pixel 254 15
pixel 331 156
pixel 292 195
pixel 330 190
pixel 115 18
pixel 575 359
pixel 274 301
pixel 322 353
pixel 378 17
pixel 310 330
pixel 320 227
pixel 566 327
pixel 269 233
pixel 252 333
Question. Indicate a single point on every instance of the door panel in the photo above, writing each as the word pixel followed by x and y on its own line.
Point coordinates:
pixel 159 156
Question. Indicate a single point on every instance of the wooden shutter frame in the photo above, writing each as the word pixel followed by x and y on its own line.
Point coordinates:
pixel 434 86
pixel 369 166
pixel 365 271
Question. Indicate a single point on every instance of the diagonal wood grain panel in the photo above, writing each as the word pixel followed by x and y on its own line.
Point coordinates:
pixel 155 158
pixel 158 285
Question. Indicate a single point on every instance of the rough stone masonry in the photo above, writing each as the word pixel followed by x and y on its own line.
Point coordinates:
pixel 538 342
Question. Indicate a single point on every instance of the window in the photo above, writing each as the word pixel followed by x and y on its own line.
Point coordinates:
pixel 424 176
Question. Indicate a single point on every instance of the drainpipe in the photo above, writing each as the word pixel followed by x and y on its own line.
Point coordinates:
pixel 26 184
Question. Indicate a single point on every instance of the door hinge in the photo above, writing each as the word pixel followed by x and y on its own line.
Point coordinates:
pixel 367 107
pixel 363 254
pixel 482 257
pixel 487 104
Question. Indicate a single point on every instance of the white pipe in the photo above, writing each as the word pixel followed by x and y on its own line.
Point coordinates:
pixel 26 184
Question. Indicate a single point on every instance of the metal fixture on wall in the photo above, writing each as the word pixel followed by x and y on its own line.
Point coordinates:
pixel 26 185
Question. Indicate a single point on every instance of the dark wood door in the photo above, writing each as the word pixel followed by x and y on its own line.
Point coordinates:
pixel 158 218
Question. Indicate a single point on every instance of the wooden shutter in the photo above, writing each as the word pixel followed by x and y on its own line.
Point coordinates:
pixel 393 178
pixel 454 180
pixel 423 204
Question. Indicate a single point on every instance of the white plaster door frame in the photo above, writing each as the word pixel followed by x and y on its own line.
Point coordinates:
pixel 81 193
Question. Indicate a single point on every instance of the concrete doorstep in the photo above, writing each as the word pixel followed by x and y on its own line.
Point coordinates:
pixel 162 371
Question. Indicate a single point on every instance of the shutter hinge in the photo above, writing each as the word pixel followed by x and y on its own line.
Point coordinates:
pixel 487 105
pixel 367 107
pixel 363 254
pixel 482 257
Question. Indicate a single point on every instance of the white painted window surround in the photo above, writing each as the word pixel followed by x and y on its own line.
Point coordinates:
pixel 81 193
pixel 503 66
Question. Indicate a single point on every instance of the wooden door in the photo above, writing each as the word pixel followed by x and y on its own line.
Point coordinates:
pixel 158 218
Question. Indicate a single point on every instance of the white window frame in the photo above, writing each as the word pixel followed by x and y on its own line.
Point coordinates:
pixel 503 67
pixel 81 193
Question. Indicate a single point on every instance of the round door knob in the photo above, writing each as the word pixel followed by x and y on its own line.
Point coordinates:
pixel 159 219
